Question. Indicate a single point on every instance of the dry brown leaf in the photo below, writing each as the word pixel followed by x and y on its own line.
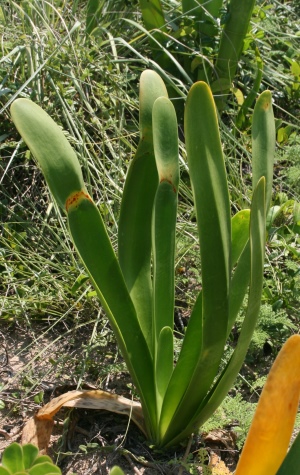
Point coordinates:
pixel 38 432
pixel 38 429
pixel 217 466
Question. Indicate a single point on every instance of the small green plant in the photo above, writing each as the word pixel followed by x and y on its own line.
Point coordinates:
pixel 137 288
pixel 25 460
pixel 116 471
pixel 199 41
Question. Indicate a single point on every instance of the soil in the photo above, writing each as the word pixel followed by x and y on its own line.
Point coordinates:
pixel 37 362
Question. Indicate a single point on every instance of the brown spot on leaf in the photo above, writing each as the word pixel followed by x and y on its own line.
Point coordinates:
pixel 75 198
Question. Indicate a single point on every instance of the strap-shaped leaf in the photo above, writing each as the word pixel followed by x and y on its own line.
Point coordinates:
pixel 232 38
pixel 239 234
pixel 63 174
pixel 209 183
pixel 228 375
pixel 94 247
pixel 165 138
pixel 211 197
pixel 49 145
pixel 263 143
pixel 190 350
pixel 164 364
pixel 153 16
pixel 239 285
pixel 134 237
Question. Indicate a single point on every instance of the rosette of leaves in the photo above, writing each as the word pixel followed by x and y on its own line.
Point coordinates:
pixel 25 460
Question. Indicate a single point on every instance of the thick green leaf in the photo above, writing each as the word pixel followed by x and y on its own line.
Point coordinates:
pixel 210 190
pixel 92 242
pixel 12 458
pixel 93 246
pixel 30 454
pixel 50 147
pixel 228 375
pixel 4 471
pixel 44 469
pixel 263 143
pixel 116 471
pixel 134 237
pixel 165 137
pixel 239 234
pixel 164 363
pixel 232 39
pixel 153 16
pixel 209 183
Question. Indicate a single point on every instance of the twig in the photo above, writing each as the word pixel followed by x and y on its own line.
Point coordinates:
pixel 134 468
pixel 186 454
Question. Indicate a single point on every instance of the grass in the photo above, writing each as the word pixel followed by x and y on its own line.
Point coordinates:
pixel 89 86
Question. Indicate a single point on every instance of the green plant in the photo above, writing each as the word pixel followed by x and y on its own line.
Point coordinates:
pixel 25 460
pixel 199 41
pixel 197 30
pixel 140 306
pixel 116 471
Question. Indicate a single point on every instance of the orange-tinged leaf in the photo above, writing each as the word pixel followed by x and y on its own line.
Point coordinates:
pixel 273 422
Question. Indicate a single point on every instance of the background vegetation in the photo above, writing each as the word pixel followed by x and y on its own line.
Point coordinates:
pixel 50 319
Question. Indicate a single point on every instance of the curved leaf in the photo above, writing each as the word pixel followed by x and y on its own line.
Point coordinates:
pixel 50 147
pixel 12 458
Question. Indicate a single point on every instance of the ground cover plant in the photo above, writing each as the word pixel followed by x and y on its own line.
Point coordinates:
pixel 48 310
